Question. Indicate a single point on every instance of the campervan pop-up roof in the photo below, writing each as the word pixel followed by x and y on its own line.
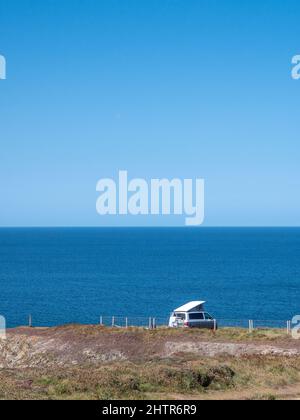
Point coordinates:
pixel 191 306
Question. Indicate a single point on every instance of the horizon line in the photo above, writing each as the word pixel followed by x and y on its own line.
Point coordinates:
pixel 156 227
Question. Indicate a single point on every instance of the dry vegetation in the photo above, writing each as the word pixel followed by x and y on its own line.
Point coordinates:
pixel 89 362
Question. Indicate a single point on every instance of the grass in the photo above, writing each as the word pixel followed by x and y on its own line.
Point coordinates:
pixel 196 378
pixel 232 334
pixel 236 334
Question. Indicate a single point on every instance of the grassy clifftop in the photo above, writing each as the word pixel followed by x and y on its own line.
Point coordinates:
pixel 90 362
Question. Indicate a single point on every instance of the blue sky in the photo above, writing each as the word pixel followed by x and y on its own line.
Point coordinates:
pixel 161 88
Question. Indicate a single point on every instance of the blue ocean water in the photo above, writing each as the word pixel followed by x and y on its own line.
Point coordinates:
pixel 65 275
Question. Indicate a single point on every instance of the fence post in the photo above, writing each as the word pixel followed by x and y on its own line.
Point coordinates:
pixel 153 323
pixel 30 321
pixel 113 321
pixel 251 326
pixel 150 323
pixel 126 322
pixel 288 329
pixel 101 320
pixel 215 325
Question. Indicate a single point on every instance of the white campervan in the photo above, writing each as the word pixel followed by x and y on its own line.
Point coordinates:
pixel 192 315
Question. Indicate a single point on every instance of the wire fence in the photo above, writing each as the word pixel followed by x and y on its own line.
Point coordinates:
pixel 126 322
pixel 254 324
pixel 133 321
pixel 155 322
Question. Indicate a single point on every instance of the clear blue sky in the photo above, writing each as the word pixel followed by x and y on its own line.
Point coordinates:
pixel 162 88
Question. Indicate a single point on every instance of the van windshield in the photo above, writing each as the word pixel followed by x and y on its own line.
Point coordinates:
pixel 180 315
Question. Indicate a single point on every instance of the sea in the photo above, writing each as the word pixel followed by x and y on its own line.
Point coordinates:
pixel 58 276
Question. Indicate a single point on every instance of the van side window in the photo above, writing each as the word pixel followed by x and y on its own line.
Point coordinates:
pixel 207 316
pixel 196 316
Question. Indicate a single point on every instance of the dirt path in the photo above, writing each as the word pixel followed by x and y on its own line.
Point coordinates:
pixel 208 349
pixel 288 392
